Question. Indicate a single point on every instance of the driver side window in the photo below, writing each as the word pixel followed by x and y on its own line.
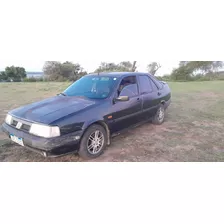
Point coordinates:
pixel 128 87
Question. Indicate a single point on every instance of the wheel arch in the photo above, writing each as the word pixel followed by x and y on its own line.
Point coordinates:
pixel 104 125
pixel 163 102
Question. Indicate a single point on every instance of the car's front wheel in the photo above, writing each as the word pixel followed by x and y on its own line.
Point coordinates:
pixel 93 142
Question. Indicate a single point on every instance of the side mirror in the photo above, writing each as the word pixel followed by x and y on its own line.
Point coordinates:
pixel 122 98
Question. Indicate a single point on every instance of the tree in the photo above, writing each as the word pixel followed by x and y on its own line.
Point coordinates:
pixel 106 67
pixel 183 63
pixel 16 74
pixel 153 67
pixel 202 67
pixel 52 70
pixel 181 73
pixel 124 66
pixel 3 76
pixel 57 71
pixel 72 71
pixel 134 67
pixel 195 69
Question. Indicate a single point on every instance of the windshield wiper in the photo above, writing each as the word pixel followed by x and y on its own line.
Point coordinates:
pixel 63 94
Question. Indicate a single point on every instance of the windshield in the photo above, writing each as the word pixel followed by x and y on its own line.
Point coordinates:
pixel 93 87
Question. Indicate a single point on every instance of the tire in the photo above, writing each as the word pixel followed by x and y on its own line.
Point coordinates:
pixel 88 146
pixel 159 116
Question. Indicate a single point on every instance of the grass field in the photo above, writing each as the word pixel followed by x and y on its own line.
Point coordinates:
pixel 193 130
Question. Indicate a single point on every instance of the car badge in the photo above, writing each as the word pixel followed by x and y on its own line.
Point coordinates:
pixel 19 125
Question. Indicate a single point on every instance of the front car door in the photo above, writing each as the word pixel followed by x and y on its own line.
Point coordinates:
pixel 127 113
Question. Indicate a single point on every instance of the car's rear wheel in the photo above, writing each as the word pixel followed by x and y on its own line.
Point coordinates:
pixel 159 116
pixel 93 142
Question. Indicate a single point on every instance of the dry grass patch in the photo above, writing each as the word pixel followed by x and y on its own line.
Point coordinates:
pixel 193 130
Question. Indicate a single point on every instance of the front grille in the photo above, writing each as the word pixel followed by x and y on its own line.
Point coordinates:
pixel 14 123
pixel 24 126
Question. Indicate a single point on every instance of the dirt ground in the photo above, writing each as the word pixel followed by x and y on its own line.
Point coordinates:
pixel 193 129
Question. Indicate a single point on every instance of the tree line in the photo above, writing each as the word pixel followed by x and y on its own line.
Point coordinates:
pixel 15 74
pixel 69 71
pixel 196 71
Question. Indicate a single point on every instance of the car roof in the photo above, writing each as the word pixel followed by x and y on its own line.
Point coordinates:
pixel 117 74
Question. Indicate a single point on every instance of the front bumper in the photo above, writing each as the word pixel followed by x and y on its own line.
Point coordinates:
pixel 167 104
pixel 48 147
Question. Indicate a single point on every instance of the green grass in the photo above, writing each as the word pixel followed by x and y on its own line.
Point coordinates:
pixel 193 130
pixel 185 87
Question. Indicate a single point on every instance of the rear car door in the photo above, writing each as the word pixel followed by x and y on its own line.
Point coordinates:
pixel 150 96
pixel 127 113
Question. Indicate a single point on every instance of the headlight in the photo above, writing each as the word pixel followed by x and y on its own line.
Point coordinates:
pixel 8 119
pixel 44 131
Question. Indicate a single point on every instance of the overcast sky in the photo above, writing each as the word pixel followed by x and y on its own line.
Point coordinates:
pixel 90 66
pixel 89 32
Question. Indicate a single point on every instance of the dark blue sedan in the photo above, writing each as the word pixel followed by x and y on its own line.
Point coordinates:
pixel 88 113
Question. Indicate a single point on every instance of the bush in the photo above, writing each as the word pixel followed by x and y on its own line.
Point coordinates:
pixel 198 77
pixel 205 78
pixel 166 78
pixel 159 78
pixel 60 72
pixel 32 79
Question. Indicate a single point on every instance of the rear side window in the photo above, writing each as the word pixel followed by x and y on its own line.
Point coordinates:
pixel 145 84
pixel 154 87
pixel 157 82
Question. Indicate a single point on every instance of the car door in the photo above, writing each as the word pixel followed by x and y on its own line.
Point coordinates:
pixel 150 96
pixel 126 113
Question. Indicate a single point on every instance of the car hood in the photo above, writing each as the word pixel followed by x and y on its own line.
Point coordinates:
pixel 52 109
